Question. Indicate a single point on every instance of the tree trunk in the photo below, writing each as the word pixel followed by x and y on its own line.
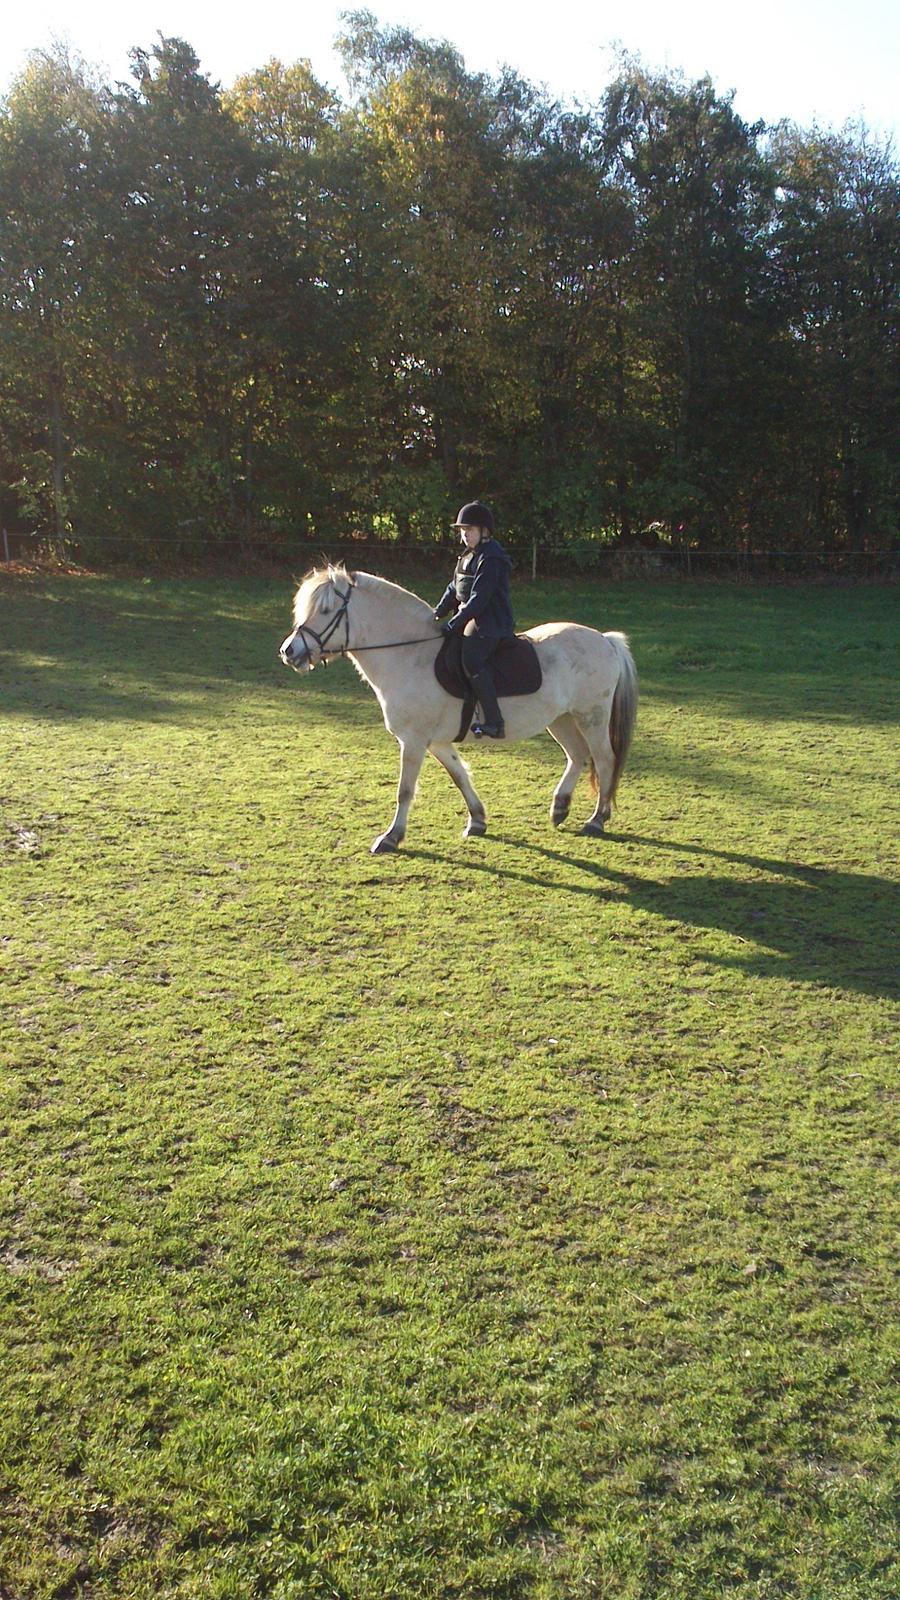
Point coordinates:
pixel 58 452
pixel 625 530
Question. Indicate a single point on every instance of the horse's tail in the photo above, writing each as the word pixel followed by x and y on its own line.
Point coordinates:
pixel 623 713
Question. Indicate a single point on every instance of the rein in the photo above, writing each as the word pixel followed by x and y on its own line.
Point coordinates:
pixel 345 649
pixel 395 645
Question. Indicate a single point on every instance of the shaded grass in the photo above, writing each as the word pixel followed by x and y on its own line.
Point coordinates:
pixel 505 1218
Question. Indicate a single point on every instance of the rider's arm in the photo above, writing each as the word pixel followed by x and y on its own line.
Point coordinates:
pixel 447 602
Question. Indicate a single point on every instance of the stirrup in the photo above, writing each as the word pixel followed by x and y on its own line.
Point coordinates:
pixel 489 730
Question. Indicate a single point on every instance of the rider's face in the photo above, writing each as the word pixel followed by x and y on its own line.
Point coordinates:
pixel 470 534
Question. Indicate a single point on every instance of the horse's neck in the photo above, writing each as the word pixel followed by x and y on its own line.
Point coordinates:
pixel 389 613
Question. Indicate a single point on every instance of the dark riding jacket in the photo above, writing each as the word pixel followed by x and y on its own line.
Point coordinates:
pixel 479 590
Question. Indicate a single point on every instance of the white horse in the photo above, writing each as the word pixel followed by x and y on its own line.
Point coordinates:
pixel 587 700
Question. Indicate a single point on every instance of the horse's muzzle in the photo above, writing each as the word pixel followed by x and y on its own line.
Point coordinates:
pixel 299 660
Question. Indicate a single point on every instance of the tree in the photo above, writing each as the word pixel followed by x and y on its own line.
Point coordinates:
pixel 437 148
pixel 837 250
pixel 703 198
pixel 291 121
pixel 54 215
pixel 267 307
pixel 567 317
pixel 192 237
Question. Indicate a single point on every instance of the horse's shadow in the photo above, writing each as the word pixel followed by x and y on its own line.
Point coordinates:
pixel 836 929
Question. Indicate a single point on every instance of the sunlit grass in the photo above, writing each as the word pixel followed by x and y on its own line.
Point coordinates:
pixel 503 1218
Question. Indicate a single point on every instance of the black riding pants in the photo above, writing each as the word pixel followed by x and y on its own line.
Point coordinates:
pixel 476 653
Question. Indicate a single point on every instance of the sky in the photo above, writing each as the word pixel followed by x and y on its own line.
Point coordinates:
pixel 811 61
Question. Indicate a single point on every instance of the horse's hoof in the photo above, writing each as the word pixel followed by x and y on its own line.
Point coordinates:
pixel 558 815
pixel 595 830
pixel 475 828
pixel 384 845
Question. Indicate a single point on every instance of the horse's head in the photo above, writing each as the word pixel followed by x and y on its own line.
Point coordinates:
pixel 320 618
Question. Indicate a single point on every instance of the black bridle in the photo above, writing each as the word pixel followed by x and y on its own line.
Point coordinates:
pixel 321 639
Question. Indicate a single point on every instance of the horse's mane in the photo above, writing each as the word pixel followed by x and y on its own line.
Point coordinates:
pixel 308 590
pixel 307 596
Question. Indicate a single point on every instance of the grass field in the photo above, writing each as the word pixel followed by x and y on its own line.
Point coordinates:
pixel 509 1218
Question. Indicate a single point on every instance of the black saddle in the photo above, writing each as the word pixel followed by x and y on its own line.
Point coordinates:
pixel 514 665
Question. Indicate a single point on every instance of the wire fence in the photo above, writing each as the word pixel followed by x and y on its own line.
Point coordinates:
pixel 536 559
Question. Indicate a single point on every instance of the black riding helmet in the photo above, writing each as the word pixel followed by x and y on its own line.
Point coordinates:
pixel 475 515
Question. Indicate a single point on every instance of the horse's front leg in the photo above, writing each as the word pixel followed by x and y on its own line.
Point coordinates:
pixel 412 754
pixel 459 772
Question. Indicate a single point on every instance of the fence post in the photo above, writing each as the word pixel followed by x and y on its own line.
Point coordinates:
pixel 5 548
pixel 533 559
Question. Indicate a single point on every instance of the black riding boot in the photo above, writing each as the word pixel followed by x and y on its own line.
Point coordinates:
pixel 492 726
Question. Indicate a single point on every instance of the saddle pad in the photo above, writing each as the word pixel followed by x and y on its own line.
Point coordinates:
pixel 514 664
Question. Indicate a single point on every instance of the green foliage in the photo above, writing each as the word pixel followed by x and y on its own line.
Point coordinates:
pixel 55 197
pixel 508 1217
pixel 837 247
pixel 267 306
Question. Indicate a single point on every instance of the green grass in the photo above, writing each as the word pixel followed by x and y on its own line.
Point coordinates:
pixel 505 1218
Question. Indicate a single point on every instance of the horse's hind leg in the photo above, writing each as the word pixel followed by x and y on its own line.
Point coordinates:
pixel 459 772
pixel 604 761
pixel 566 732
